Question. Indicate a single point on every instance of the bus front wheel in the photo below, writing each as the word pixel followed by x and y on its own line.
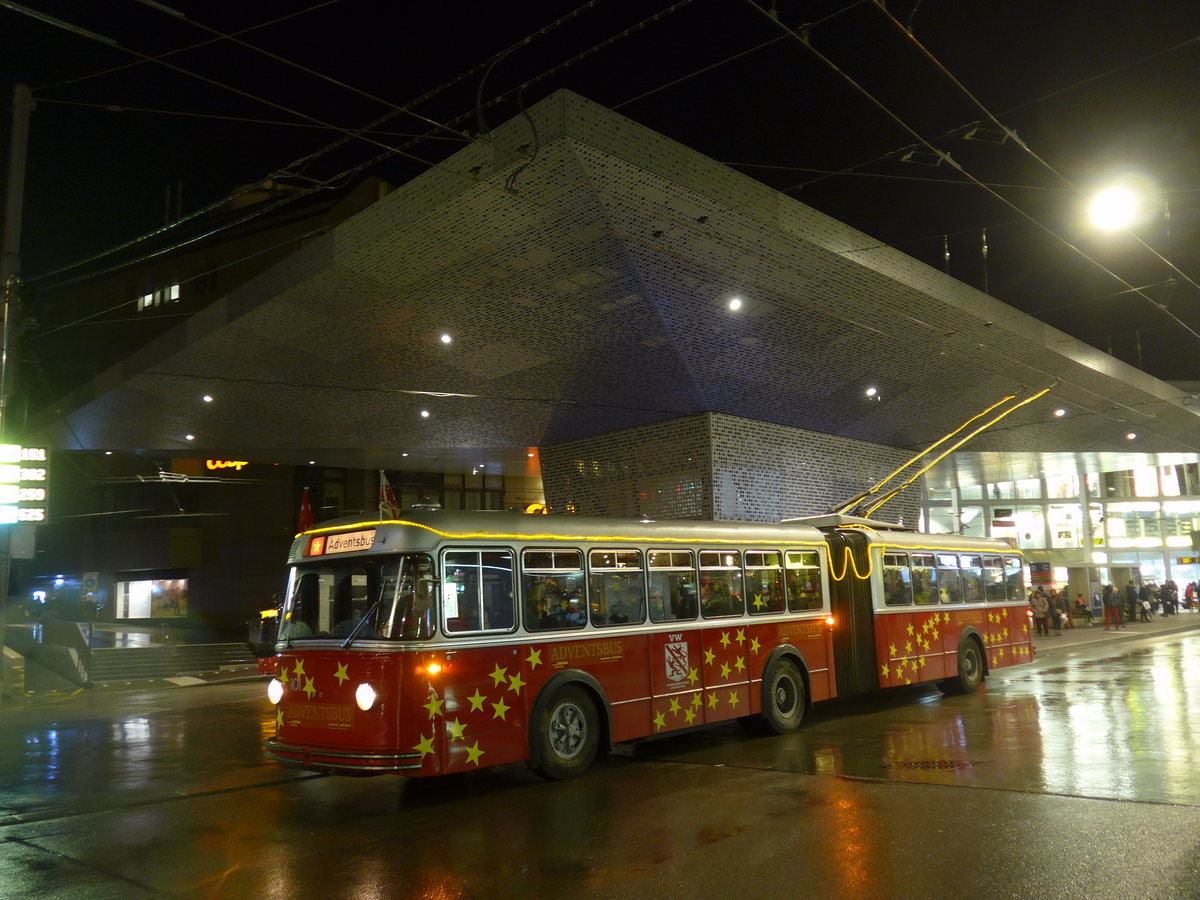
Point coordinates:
pixel 568 733
pixel 970 670
pixel 784 698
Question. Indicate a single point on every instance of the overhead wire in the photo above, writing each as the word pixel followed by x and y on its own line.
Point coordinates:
pixel 303 162
pixel 945 157
pixel 991 117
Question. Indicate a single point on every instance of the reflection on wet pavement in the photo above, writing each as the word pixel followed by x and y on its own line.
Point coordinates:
pixel 1105 725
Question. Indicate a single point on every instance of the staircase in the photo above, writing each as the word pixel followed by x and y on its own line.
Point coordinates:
pixel 165 661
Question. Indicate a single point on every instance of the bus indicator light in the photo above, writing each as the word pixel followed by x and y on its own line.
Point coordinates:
pixel 829 620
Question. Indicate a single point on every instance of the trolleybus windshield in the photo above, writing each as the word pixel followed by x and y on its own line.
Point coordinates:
pixel 388 598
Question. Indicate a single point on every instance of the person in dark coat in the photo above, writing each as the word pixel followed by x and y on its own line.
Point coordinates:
pixel 1131 602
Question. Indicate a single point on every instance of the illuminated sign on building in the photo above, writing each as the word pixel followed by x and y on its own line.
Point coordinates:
pixel 235 464
pixel 24 478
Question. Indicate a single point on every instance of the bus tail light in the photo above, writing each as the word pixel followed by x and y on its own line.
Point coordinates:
pixel 275 690
pixel 365 696
pixel 830 620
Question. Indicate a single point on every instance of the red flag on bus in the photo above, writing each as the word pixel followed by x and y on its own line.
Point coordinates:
pixel 388 507
pixel 306 515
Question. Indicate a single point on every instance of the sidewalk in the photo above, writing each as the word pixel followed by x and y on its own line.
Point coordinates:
pixel 1094 634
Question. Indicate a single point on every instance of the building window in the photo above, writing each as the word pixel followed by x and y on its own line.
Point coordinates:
pixel 161 297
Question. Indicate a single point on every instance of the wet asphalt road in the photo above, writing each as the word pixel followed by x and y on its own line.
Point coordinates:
pixel 1076 776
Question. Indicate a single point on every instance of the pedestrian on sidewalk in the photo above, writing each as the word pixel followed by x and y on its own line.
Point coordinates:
pixel 1083 608
pixel 1112 607
pixel 1145 608
pixel 1131 601
pixel 1040 604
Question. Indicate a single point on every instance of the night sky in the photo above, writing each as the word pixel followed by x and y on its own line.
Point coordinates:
pixel 848 121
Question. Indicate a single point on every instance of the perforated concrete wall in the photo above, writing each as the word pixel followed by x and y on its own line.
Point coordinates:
pixel 719 467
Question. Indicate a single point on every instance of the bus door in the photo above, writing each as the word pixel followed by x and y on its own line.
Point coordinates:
pixel 853 610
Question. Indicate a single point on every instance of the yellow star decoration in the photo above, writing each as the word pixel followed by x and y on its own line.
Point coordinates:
pixel 534 658
pixel 908 645
pixel 892 651
pixel 696 701
pixel 456 730
pixel 925 626
pixel 473 753
pixel 739 664
pixel 693 675
pixel 754 645
pixel 299 670
pixel 734 700
pixel 910 629
pixel 1006 634
pixel 1002 653
pixel 675 707
pixel 309 689
pixel 660 722
pixel 741 636
pixel 886 671
pixel 279 718
pixel 340 674
pixel 477 701
pixel 936 634
pixel 434 706
pixel 724 638
pixel 758 602
pixel 283 675
pixel 498 675
pixel 689 716
pixel 946 617
pixel 515 683
pixel 500 709
pixel 426 746
pixel 724 670
pixel 709 656
pixel 712 701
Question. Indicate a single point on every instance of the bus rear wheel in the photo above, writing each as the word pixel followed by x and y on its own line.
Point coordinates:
pixel 970 670
pixel 568 733
pixel 784 697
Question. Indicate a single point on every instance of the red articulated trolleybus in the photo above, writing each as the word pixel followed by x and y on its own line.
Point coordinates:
pixel 447 641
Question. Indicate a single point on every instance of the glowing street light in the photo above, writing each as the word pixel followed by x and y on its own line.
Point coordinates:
pixel 1114 208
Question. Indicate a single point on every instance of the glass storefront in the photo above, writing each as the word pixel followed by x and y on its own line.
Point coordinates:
pixel 1137 524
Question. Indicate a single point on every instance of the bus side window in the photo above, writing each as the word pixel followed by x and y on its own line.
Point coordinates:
pixel 764 581
pixel 924 579
pixel 552 588
pixel 949 579
pixel 721 583
pixel 897 582
pixel 672 585
pixel 616 587
pixel 803 577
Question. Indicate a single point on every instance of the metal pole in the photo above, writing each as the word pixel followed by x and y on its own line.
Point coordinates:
pixel 10 263
pixel 10 268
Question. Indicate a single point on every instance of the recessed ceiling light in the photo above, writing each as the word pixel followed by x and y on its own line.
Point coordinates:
pixel 871 392
pixel 404 454
pixel 207 398
pixel 190 437
pixel 735 303
pixel 424 414
pixel 1060 412
pixel 446 339
pixel 1131 436
pixel 312 462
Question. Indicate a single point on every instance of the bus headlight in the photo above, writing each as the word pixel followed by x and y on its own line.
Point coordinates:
pixel 365 697
pixel 275 691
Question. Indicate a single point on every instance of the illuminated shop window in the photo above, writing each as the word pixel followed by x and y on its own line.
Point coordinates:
pixel 158 599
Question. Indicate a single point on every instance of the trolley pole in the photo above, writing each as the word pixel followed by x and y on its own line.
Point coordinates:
pixel 10 268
